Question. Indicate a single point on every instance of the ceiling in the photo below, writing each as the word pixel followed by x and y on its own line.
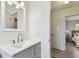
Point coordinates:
pixel 72 18
pixel 57 5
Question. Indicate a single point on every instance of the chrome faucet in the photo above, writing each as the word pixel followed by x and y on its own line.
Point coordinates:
pixel 20 35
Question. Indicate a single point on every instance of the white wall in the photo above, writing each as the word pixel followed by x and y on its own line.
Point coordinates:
pixel 39 21
pixel 59 41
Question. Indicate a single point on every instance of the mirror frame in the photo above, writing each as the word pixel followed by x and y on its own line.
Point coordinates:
pixel 3 19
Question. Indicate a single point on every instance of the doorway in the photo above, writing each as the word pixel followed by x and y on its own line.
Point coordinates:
pixel 70 29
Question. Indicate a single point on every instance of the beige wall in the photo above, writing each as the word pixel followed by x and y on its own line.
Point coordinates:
pixel 58 41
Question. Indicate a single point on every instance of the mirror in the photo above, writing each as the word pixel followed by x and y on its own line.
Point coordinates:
pixel 13 18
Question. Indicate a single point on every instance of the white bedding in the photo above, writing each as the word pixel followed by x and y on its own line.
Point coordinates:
pixel 76 40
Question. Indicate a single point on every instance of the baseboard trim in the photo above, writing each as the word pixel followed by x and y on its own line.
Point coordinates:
pixel 59 49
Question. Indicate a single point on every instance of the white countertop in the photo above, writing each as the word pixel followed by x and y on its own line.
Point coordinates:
pixel 13 51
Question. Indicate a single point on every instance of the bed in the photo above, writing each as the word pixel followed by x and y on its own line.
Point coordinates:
pixel 75 37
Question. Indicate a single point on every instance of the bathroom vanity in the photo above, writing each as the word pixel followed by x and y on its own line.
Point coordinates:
pixel 14 19
pixel 31 49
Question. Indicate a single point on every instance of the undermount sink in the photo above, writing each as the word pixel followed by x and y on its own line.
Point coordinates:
pixel 21 44
pixel 17 45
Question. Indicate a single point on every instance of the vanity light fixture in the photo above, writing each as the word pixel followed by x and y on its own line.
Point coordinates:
pixel 18 4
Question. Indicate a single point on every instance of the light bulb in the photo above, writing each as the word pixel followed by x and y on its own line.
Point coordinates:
pixel 22 3
pixel 66 2
pixel 17 6
pixel 10 3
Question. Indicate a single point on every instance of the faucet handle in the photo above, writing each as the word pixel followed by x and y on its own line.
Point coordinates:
pixel 13 41
pixel 21 40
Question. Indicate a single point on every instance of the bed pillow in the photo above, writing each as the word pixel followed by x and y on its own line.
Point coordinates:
pixel 75 35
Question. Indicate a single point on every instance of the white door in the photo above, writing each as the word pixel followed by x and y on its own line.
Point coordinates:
pixel 45 26
pixel 60 34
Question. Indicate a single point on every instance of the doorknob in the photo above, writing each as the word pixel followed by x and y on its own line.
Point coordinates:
pixel 49 40
pixel 52 34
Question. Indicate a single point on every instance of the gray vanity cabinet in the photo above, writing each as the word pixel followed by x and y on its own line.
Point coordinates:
pixel 37 51
pixel 28 53
pixel 32 52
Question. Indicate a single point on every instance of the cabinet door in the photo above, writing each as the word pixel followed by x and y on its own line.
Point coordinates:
pixel 37 50
pixel 28 53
